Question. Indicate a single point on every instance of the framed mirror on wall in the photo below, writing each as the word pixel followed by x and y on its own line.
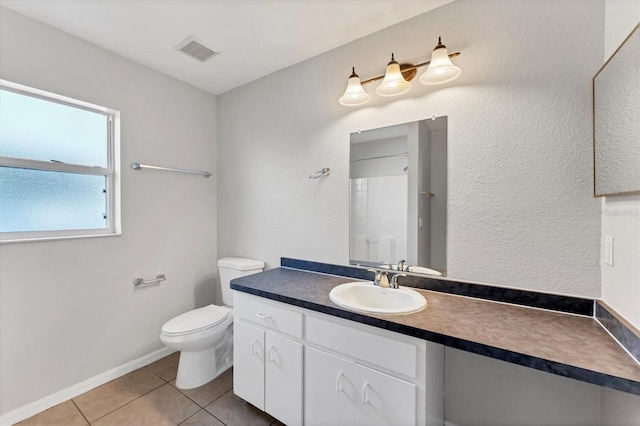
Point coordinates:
pixel 398 195
pixel 616 121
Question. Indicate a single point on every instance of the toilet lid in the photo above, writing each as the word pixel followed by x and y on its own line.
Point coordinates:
pixel 196 320
pixel 240 263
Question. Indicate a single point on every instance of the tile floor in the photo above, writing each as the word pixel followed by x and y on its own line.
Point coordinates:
pixel 148 396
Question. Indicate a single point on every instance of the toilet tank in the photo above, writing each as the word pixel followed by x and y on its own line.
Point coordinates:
pixel 235 267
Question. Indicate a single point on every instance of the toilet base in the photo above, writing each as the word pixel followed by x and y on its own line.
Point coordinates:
pixel 197 368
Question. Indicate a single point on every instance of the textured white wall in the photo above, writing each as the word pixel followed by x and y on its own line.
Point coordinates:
pixel 621 214
pixel 621 219
pixel 68 310
pixel 521 210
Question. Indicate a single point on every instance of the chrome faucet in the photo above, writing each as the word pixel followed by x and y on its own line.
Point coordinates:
pixel 402 265
pixel 394 280
pixel 380 278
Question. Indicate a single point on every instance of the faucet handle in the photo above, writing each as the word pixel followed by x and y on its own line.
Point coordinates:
pixel 380 278
pixel 376 276
pixel 394 280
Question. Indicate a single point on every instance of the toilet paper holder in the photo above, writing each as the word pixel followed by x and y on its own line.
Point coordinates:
pixel 140 282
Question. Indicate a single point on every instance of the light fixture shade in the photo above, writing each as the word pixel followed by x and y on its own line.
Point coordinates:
pixel 440 70
pixel 394 83
pixel 354 94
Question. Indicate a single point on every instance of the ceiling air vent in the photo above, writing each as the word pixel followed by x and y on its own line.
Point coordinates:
pixel 194 48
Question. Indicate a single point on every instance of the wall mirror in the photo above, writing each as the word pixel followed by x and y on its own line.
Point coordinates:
pixel 398 195
pixel 616 121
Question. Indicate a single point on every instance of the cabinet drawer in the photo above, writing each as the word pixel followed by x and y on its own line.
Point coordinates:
pixel 383 351
pixel 267 314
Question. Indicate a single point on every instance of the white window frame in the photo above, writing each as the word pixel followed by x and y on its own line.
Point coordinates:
pixel 111 172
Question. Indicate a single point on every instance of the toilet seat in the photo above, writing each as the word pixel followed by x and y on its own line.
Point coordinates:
pixel 195 321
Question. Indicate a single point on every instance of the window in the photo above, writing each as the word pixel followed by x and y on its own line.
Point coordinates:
pixel 58 166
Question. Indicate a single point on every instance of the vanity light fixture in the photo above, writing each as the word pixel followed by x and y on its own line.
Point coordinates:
pixel 394 82
pixel 441 69
pixel 397 77
pixel 355 94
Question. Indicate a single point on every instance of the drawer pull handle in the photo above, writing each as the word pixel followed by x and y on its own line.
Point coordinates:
pixel 339 382
pixel 253 347
pixel 271 358
pixel 365 400
pixel 263 316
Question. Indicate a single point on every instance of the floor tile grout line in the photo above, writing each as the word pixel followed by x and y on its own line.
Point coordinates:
pixel 216 417
pixel 182 422
pixel 197 403
pixel 165 380
pixel 212 415
pixel 124 405
pixel 208 403
pixel 223 394
pixel 80 411
pixel 86 419
pixel 187 396
pixel 202 409
pixel 146 367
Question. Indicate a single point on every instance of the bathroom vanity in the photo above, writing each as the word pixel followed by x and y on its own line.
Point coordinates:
pixel 305 360
pixel 302 366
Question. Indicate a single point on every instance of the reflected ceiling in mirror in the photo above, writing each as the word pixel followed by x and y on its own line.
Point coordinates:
pixel 398 195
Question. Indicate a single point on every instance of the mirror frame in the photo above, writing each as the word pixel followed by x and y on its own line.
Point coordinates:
pixel 634 32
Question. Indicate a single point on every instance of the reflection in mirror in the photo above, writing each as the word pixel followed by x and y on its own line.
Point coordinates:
pixel 398 190
pixel 616 121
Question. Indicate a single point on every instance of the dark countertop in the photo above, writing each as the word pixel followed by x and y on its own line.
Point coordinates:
pixel 568 345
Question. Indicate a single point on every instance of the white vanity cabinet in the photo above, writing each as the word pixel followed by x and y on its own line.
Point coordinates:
pixel 268 365
pixel 384 399
pixel 369 375
pixel 248 359
pixel 352 374
pixel 342 392
pixel 329 388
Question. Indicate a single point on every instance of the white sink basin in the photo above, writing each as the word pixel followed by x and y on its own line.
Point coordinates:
pixel 366 297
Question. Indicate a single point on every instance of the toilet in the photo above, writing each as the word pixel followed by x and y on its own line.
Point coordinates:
pixel 204 336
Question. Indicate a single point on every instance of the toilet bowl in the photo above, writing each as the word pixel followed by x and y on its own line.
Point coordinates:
pixel 204 336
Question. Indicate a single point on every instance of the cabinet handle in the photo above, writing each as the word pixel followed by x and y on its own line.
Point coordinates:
pixel 272 359
pixel 253 347
pixel 263 316
pixel 365 400
pixel 339 382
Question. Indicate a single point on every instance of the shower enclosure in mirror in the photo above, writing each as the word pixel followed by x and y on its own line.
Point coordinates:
pixel 398 189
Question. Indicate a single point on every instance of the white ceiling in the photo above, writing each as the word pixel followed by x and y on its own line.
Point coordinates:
pixel 255 37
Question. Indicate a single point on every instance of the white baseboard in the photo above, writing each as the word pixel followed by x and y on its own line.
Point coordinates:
pixel 49 401
pixel 448 424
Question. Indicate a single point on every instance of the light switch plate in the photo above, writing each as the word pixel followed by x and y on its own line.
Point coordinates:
pixel 608 250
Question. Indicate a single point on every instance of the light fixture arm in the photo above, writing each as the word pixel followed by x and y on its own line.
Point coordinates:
pixel 406 70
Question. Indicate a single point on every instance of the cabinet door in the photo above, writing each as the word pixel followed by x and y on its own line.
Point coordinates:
pixel 248 358
pixel 283 378
pixel 329 390
pixel 383 399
